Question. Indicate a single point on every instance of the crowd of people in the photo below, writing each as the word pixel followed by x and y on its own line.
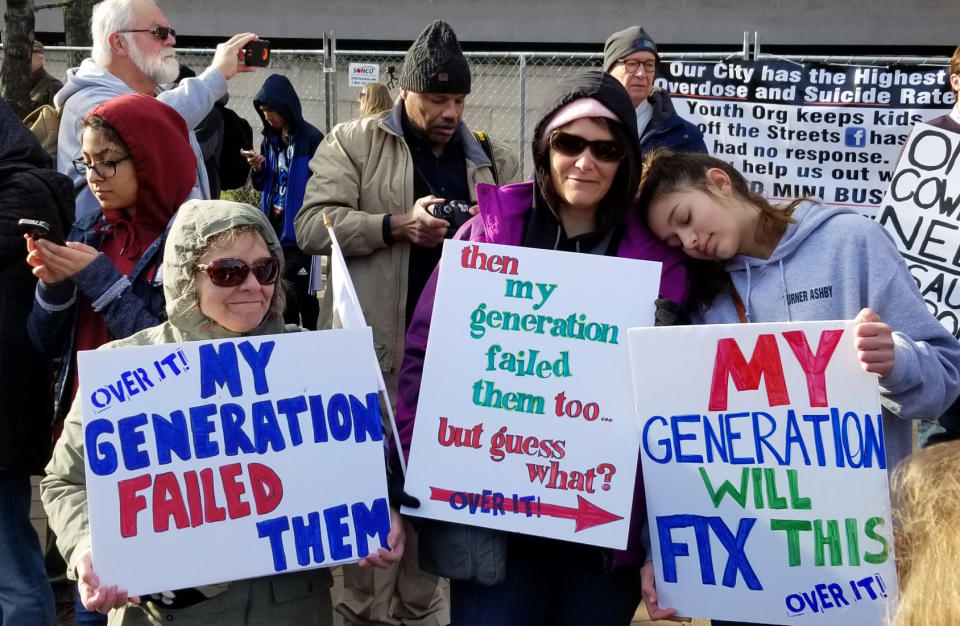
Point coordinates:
pixel 140 250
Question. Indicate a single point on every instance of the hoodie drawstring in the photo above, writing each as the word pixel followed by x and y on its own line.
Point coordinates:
pixel 783 286
pixel 746 301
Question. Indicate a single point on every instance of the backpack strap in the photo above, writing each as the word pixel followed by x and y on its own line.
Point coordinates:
pixel 484 140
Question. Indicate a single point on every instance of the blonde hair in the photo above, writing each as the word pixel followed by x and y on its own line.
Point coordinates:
pixel 377 99
pixel 926 507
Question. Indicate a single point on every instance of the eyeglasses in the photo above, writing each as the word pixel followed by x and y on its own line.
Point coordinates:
pixel 632 65
pixel 608 150
pixel 232 272
pixel 104 169
pixel 160 32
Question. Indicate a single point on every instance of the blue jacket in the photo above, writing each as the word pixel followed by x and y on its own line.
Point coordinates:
pixel 666 129
pixel 278 94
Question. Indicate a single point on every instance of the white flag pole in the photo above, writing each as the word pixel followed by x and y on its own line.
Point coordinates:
pixel 347 305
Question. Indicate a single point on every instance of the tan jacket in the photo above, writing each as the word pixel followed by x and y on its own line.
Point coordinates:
pixel 361 171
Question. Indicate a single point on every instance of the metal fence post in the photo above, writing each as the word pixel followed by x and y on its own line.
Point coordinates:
pixel 326 80
pixel 333 74
pixel 523 106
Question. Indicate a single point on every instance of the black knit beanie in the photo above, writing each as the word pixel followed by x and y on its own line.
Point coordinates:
pixel 435 63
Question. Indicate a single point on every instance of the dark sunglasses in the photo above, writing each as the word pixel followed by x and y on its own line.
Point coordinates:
pixel 609 150
pixel 232 272
pixel 160 32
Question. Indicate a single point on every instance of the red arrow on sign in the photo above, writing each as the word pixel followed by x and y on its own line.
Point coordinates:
pixel 585 514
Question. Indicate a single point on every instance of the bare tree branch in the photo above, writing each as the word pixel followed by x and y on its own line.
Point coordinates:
pixel 17 50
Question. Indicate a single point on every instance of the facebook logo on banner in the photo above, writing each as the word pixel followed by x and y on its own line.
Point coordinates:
pixel 855 136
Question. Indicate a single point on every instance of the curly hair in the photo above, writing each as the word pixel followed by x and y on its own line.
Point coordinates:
pixel 926 507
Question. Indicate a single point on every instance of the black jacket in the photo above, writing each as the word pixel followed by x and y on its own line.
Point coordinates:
pixel 30 190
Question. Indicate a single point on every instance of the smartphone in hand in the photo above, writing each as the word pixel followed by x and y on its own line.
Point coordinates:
pixel 257 53
pixel 40 230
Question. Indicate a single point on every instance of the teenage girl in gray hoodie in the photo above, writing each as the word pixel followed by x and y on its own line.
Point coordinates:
pixel 805 261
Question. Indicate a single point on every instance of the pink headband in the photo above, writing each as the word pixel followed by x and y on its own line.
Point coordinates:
pixel 581 107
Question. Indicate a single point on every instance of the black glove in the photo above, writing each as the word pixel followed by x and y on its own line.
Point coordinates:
pixel 395 493
pixel 669 313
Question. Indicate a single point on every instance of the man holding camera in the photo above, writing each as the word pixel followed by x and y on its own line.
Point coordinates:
pixel 381 179
pixel 133 52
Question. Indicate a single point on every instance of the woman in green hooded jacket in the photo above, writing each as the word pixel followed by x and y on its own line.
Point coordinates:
pixel 209 240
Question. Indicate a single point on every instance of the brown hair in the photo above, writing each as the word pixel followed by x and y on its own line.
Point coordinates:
pixel 926 508
pixel 954 69
pixel 95 122
pixel 622 191
pixel 377 99
pixel 666 171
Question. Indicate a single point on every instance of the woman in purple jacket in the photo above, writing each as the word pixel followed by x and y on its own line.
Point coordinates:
pixel 587 167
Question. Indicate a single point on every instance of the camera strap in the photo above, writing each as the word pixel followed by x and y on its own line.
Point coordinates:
pixel 484 141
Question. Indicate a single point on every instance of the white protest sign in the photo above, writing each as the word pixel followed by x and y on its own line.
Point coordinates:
pixel 765 473
pixel 360 74
pixel 921 211
pixel 525 417
pixel 793 130
pixel 212 461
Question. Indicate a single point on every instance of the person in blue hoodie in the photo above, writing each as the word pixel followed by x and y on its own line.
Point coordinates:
pixel 281 172
pixel 805 261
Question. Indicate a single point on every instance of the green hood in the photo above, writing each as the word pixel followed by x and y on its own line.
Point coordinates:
pixel 196 222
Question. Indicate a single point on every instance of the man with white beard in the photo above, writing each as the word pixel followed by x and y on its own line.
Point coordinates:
pixel 133 52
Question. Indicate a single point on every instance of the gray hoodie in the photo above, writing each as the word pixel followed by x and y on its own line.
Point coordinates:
pixel 89 85
pixel 830 264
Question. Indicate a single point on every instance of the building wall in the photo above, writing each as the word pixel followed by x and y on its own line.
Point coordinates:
pixel 691 22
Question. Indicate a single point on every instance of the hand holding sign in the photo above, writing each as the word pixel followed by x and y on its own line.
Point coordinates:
pixel 648 589
pixel 92 595
pixel 874 342
pixel 384 557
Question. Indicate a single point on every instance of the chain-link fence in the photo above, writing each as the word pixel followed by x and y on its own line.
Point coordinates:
pixel 507 87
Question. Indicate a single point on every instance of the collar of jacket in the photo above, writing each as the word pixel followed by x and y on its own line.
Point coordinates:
pixel 392 123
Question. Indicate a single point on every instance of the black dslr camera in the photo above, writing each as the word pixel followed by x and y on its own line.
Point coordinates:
pixel 456 212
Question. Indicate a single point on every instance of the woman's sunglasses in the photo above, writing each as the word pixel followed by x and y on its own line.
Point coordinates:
pixel 232 272
pixel 609 150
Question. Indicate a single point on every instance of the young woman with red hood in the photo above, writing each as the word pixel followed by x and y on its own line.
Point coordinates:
pixel 105 283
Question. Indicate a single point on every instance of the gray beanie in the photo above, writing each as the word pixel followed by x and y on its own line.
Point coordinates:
pixel 624 43
pixel 435 63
